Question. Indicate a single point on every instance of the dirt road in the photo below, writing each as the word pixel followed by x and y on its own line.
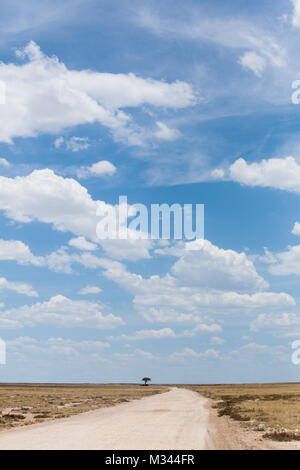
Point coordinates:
pixel 173 420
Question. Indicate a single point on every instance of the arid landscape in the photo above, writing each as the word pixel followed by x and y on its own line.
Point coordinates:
pixel 271 409
pixel 252 416
pixel 22 404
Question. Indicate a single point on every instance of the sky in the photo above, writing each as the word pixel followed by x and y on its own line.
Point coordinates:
pixel 162 102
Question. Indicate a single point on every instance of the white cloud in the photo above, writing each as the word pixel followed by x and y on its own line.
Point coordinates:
pixel 85 345
pixel 31 348
pixel 44 96
pixel 217 268
pixel 286 262
pixel 189 353
pixel 233 33
pixel 230 284
pixel 62 259
pixel 252 351
pixel 75 144
pixel 144 354
pixel 82 244
pixel 102 168
pixel 52 199
pixel 217 340
pixel 129 249
pixel 4 163
pixel 296 229
pixel 59 311
pixel 59 142
pixel 280 173
pixel 165 133
pixel 286 325
pixel 14 250
pixel 218 174
pixel 282 322
pixel 90 290
pixel 252 61
pixel 223 277
pixel 296 13
pixel 181 305
pixel 155 334
pixel 246 338
pixel 59 261
pixel 165 333
pixel 266 258
pixel 62 202
pixel 18 287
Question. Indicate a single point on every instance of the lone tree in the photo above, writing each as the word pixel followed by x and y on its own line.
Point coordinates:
pixel 146 379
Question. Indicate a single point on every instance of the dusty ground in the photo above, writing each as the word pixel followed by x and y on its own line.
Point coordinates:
pixel 28 404
pixel 187 417
pixel 177 419
pixel 228 434
pixel 255 416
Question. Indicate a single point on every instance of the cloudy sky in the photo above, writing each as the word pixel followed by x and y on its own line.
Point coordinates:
pixel 164 102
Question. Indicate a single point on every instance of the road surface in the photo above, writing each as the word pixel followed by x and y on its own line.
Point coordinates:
pixel 175 420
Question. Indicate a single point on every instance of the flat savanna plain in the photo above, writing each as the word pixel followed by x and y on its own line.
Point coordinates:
pixel 270 410
pixel 24 404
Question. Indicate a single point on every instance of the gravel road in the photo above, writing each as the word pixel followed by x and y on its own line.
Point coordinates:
pixel 174 420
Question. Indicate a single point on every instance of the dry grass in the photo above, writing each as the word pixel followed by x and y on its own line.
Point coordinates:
pixel 27 404
pixel 271 408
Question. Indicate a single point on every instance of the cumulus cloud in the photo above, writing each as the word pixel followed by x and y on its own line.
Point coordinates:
pixel 102 168
pixel 15 250
pixel 52 199
pixel 280 173
pixel 254 351
pixel 65 204
pixel 180 297
pixel 230 283
pixel 44 96
pixel 4 163
pixel 90 290
pixel 165 133
pixel 286 262
pixel 129 249
pixel 56 348
pixel 222 269
pixel 296 229
pixel 283 324
pixel 218 174
pixel 75 144
pixel 165 333
pixel 18 287
pixel 82 244
pixel 252 61
pixel 63 259
pixel 232 33
pixel 217 340
pixel 59 311
pixel 188 353
pixel 296 13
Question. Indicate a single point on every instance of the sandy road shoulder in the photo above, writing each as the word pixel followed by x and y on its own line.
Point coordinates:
pixel 227 434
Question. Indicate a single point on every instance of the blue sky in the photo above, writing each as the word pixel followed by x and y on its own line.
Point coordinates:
pixel 164 103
